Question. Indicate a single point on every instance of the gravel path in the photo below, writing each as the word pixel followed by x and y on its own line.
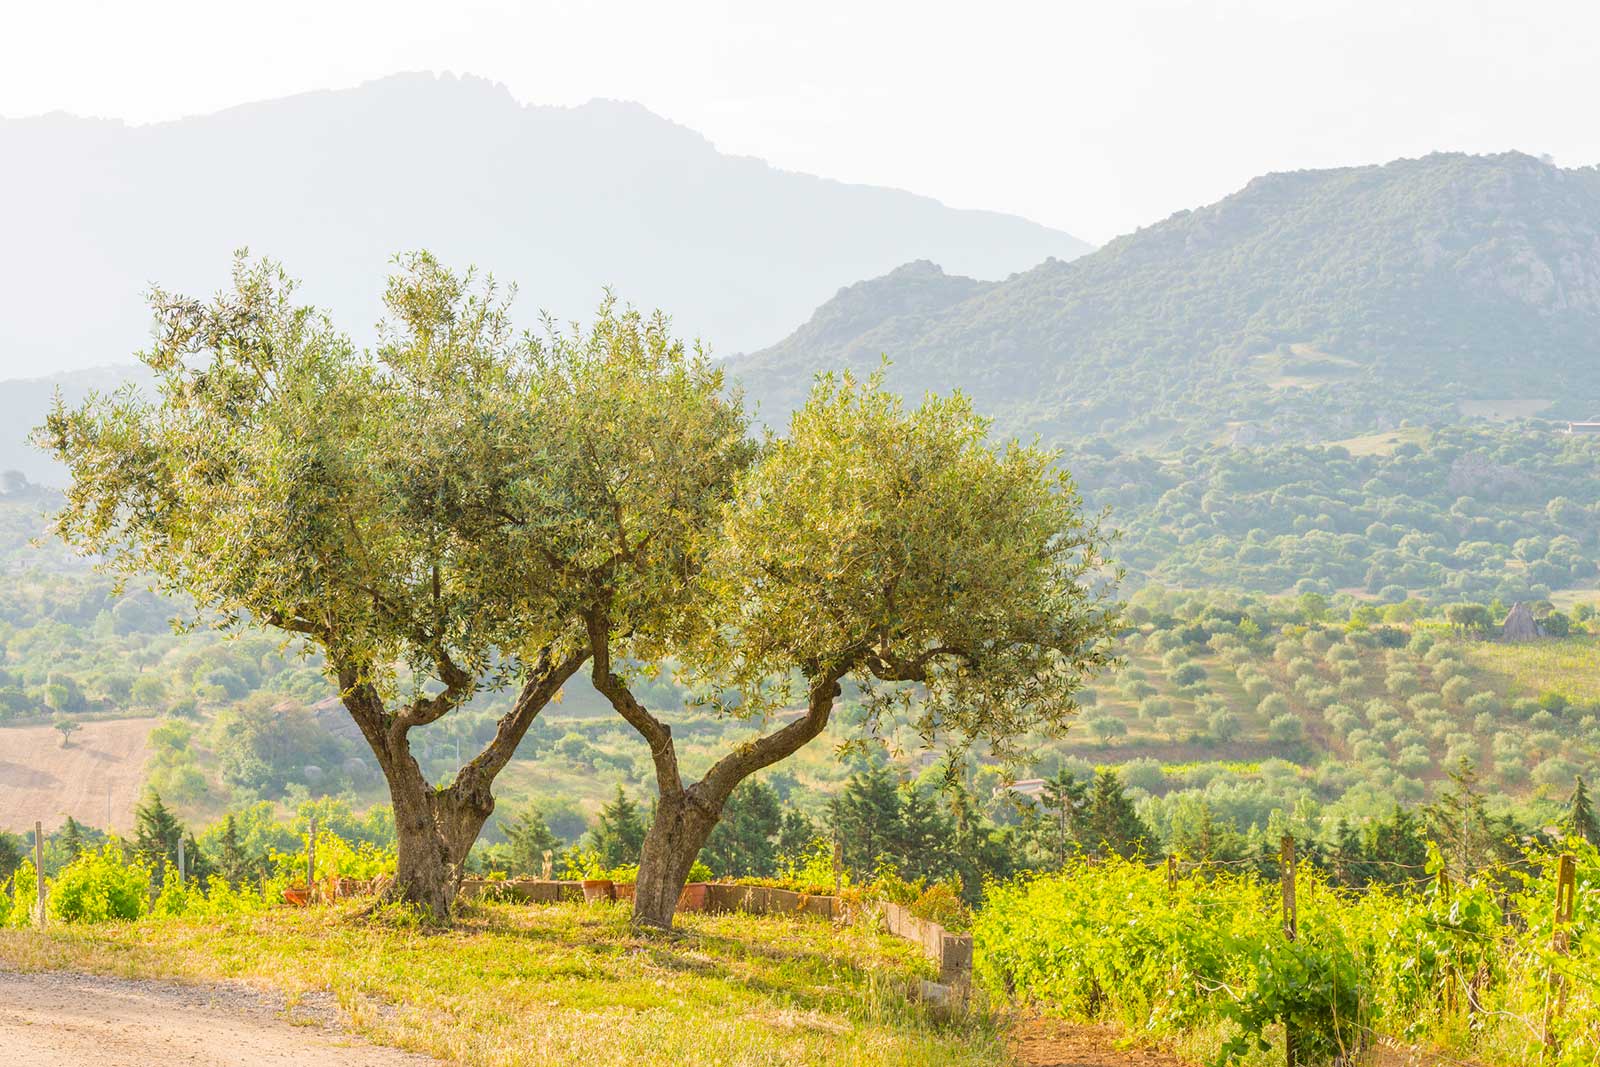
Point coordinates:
pixel 54 1019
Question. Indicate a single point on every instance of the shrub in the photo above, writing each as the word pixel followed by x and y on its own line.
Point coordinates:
pixel 99 887
pixel 1402 683
pixel 1153 708
pixel 1456 690
pixel 1223 725
pixel 1273 705
pixel 1286 730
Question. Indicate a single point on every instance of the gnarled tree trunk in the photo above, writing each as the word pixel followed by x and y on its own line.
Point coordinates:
pixel 672 845
pixel 686 815
pixel 423 875
pixel 436 829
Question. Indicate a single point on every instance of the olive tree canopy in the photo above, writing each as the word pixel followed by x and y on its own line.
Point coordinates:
pixel 280 477
pixel 951 580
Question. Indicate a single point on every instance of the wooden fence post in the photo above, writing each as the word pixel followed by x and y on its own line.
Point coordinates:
pixel 838 864
pixel 38 870
pixel 1442 880
pixel 1291 930
pixel 1172 877
pixel 311 861
pixel 181 862
pixel 1555 1001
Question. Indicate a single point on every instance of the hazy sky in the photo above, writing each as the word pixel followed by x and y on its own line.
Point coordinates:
pixel 1095 118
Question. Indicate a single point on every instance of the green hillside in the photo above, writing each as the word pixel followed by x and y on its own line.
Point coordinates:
pixel 1309 305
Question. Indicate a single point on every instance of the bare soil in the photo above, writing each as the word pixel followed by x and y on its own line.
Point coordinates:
pixel 1053 1043
pixel 40 780
pixel 54 1019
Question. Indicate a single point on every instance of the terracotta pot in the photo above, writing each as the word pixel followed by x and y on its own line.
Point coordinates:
pixel 598 889
pixel 693 897
pixel 625 891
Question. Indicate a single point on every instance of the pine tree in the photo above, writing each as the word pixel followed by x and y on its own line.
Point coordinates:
pixel 1395 848
pixel 1347 860
pixel 619 836
pixel 1068 799
pixel 1113 825
pixel 1459 821
pixel 72 839
pixel 745 841
pixel 1580 821
pixel 867 817
pixel 11 853
pixel 157 832
pixel 927 838
pixel 531 837
pixel 796 833
pixel 234 866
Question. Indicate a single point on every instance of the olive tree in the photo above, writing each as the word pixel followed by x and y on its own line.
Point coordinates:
pixel 352 501
pixel 952 583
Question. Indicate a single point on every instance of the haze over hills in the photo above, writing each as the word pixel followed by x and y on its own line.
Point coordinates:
pixel 1308 305
pixel 562 201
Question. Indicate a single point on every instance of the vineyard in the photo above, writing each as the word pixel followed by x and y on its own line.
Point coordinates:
pixel 1496 969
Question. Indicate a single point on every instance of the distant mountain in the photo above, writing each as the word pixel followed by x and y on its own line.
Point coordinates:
pixel 1308 305
pixel 562 201
pixel 24 404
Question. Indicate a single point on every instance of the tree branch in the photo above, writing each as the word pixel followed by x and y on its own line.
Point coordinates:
pixel 655 732
pixel 545 680
pixel 458 686
pixel 887 667
pixel 726 774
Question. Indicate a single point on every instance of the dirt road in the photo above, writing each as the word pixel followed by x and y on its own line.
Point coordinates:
pixel 1051 1043
pixel 68 1020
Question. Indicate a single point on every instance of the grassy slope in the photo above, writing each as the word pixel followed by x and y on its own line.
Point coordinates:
pixel 570 983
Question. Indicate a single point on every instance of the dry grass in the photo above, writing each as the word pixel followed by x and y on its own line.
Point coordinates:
pixel 1569 666
pixel 1384 443
pixel 570 983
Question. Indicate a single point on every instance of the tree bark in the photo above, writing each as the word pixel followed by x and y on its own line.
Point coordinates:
pixel 673 843
pixel 423 871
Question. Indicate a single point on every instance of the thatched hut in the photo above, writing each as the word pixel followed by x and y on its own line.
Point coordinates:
pixel 1520 625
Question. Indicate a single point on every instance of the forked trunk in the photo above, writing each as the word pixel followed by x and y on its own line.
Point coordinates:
pixel 672 845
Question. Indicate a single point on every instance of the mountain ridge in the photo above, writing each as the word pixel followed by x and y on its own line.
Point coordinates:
pixel 1391 289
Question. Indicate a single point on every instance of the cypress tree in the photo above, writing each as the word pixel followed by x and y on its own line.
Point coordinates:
pixel 1581 821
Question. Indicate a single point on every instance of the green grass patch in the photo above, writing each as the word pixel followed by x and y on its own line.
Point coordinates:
pixel 567 983
pixel 1569 666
